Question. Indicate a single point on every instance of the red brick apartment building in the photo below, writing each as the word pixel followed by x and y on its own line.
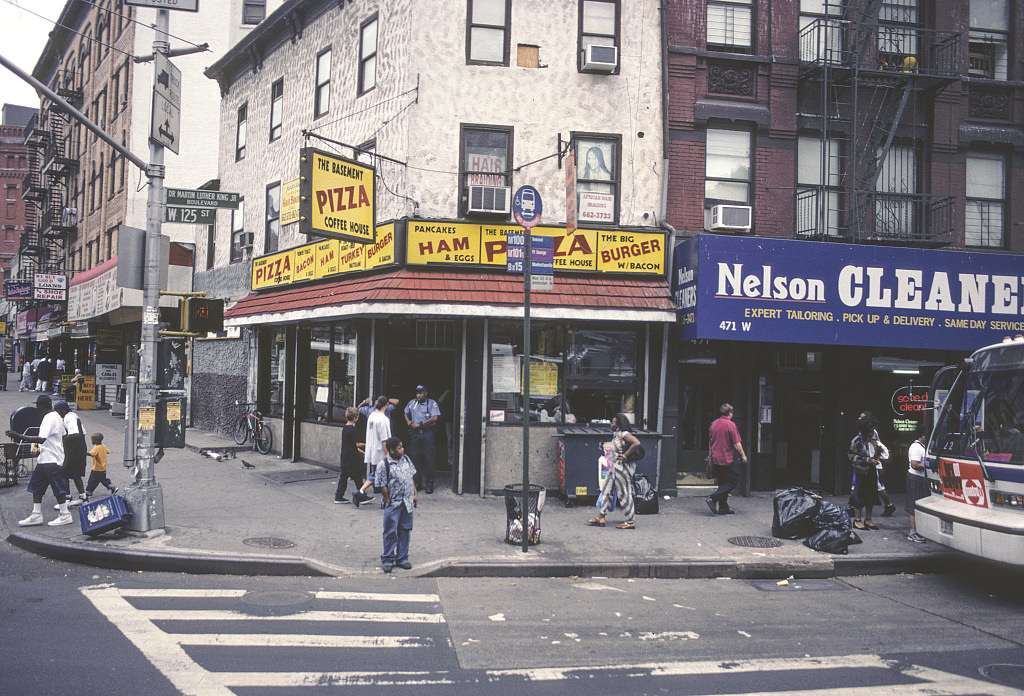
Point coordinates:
pixel 14 167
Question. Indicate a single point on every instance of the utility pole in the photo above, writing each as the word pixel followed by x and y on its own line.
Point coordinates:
pixel 144 496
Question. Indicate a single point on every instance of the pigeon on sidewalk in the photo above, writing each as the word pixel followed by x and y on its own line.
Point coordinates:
pixel 247 465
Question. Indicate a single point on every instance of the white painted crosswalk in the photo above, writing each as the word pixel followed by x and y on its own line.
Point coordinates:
pixel 342 629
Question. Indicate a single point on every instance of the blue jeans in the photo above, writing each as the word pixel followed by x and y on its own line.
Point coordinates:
pixel 397 529
pixel 728 478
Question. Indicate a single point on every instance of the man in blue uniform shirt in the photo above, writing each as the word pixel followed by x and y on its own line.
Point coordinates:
pixel 421 414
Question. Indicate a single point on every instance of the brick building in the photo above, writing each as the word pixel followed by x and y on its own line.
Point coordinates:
pixel 14 167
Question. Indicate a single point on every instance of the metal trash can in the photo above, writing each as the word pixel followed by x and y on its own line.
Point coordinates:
pixel 513 513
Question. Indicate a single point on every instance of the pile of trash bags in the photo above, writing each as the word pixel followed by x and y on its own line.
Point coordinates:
pixel 801 513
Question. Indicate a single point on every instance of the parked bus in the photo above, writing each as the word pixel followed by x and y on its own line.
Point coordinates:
pixel 976 456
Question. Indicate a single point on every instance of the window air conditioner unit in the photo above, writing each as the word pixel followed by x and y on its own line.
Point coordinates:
pixel 246 240
pixel 489 199
pixel 730 218
pixel 122 99
pixel 601 58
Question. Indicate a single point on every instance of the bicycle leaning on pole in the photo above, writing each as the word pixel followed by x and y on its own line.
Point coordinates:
pixel 251 425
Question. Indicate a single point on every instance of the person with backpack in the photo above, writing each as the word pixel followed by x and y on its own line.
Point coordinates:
pixel 396 478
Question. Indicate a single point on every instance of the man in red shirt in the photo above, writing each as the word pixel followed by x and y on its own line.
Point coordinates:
pixel 725 437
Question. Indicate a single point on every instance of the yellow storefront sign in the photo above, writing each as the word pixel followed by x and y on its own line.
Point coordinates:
pixel 442 242
pixel 290 196
pixel 336 197
pixel 273 270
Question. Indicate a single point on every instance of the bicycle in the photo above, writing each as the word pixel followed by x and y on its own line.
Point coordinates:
pixel 251 425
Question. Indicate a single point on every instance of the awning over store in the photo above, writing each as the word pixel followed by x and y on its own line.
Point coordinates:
pixel 425 292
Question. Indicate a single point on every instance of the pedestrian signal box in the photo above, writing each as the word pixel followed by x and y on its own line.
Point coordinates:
pixel 201 315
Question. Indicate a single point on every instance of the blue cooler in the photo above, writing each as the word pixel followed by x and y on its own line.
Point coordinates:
pixel 103 515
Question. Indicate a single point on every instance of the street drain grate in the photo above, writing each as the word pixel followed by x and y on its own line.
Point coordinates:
pixel 755 542
pixel 269 543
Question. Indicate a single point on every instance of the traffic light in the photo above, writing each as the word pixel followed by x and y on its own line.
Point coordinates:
pixel 201 315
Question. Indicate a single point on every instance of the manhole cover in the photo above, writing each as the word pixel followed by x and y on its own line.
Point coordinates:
pixel 1011 675
pixel 755 542
pixel 268 543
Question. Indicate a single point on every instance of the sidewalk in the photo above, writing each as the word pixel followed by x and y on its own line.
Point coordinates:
pixel 279 518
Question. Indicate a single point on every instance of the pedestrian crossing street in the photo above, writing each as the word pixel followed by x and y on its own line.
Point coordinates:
pixel 217 642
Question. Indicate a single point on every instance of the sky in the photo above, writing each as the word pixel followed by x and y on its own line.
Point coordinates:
pixel 22 38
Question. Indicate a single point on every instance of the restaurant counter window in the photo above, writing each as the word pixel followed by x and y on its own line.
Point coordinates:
pixel 278 370
pixel 576 374
pixel 331 364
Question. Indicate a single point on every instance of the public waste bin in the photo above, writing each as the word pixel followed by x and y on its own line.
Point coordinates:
pixel 513 513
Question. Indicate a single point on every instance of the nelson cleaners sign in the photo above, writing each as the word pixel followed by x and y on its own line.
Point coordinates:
pixel 786 291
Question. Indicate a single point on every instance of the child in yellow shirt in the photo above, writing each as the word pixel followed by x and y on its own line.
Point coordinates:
pixel 98 474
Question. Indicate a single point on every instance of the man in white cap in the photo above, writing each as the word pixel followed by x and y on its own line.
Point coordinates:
pixel 421 414
pixel 48 472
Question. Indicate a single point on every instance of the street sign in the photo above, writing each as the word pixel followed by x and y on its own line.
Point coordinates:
pixel 168 80
pixel 50 286
pixel 527 206
pixel 515 251
pixel 190 216
pixel 197 198
pixel 186 5
pixel 542 262
pixel 165 126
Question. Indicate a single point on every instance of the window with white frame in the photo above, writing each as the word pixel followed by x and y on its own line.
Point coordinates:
pixel 730 25
pixel 322 95
pixel 597 178
pixel 254 11
pixel 599 24
pixel 728 170
pixel 823 43
pixel 986 194
pixel 273 227
pixel 368 55
pixel 486 158
pixel 818 178
pixel 240 129
pixel 276 109
pixel 488 27
pixel 989 39
pixel 241 242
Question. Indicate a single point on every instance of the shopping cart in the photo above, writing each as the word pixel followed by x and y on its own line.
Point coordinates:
pixel 17 460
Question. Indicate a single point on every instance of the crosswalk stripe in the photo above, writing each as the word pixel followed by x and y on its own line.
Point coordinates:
pixel 181 594
pixel 323 594
pixel 295 640
pixel 379 597
pixel 231 615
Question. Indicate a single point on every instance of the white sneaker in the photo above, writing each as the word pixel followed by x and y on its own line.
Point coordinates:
pixel 80 500
pixel 62 520
pixel 32 520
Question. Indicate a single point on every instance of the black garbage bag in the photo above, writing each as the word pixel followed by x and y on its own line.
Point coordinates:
pixel 829 540
pixel 645 498
pixel 795 509
pixel 831 516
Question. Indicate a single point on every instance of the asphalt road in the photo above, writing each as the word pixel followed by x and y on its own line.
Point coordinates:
pixel 73 629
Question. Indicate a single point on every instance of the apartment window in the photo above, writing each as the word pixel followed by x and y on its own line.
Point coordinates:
pixel 730 25
pixel 487 31
pixel 92 187
pixel 897 34
pixel 895 209
pixel 599 24
pixel 243 116
pixel 989 39
pixel 276 109
pixel 322 93
pixel 368 55
pixel 108 237
pixel 211 246
pixel 240 241
pixel 121 178
pixel 273 227
pixel 111 175
pixel 986 194
pixel 818 178
pixel 825 41
pixel 597 178
pixel 486 158
pixel 254 11
pixel 728 170
pixel 85 53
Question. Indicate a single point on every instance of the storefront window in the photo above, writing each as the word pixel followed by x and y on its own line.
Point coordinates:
pixel 277 373
pixel 331 372
pixel 576 375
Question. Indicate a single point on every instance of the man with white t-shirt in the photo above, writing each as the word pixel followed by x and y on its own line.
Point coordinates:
pixel 917 481
pixel 48 472
pixel 378 430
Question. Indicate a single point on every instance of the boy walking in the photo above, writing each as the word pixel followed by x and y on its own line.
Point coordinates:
pixel 98 473
pixel 395 475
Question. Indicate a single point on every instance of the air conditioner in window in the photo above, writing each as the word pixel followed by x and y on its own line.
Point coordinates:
pixel 600 58
pixel 246 240
pixel 730 218
pixel 489 199
pixel 122 99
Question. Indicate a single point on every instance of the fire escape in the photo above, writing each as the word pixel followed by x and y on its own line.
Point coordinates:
pixel 873 72
pixel 52 220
